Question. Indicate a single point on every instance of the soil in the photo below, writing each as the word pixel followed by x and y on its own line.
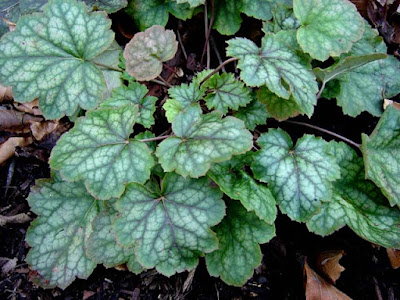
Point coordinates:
pixel 368 273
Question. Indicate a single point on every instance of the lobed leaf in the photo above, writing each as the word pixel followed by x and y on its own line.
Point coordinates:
pixel 328 27
pixel 147 50
pixel 238 185
pixel 99 152
pixel 134 94
pixel 253 114
pixel 50 56
pixel 358 203
pixel 239 235
pixel 299 177
pixel 170 229
pixel 58 237
pixel 278 67
pixel 201 140
pixel 381 152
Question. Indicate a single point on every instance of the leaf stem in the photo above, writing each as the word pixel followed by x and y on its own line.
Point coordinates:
pixel 321 90
pixel 327 132
pixel 208 28
pixel 157 138
pixel 164 81
pixel 219 68
pixel 109 67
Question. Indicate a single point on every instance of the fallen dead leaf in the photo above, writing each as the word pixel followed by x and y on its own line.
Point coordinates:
pixel 88 294
pixel 319 289
pixel 13 120
pixel 388 102
pixel 29 108
pixel 328 263
pixel 394 257
pixel 5 93
pixel 16 219
pixel 41 129
pixel 7 149
pixel 9 265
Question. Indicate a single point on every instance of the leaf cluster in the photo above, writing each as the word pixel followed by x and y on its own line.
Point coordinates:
pixel 212 186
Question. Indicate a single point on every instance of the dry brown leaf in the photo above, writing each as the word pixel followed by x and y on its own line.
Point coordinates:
pixel 328 263
pixel 5 93
pixel 9 266
pixel 12 120
pixel 319 289
pixel 387 102
pixel 30 107
pixel 41 129
pixel 7 149
pixel 394 257
pixel 88 294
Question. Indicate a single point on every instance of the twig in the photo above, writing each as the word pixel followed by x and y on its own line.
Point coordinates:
pixel 326 131
pixel 208 27
pixel 157 138
pixel 219 68
pixel 181 44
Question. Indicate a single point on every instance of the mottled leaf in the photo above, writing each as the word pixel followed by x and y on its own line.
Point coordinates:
pixel 225 92
pixel 134 94
pixel 147 50
pixel 253 114
pixel 238 185
pixel 276 66
pixel 277 107
pixel 283 19
pixel 358 203
pixel 299 177
pixel 201 140
pixel 58 237
pixel 99 152
pixel 50 56
pixel 328 27
pixel 192 3
pixel 109 6
pixel 239 235
pixel 170 229
pixel 381 152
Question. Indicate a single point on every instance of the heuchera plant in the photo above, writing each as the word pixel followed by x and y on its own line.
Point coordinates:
pixel 123 196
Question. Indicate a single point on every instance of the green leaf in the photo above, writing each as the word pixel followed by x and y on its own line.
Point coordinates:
pixel 381 152
pixel 109 6
pixel 278 67
pixel 278 108
pixel 299 177
pixel 363 88
pixel 227 13
pixel 238 185
pixel 58 237
pixel 192 3
pixel 201 140
pixel 170 230
pixel 102 246
pixel 99 152
pixel 225 92
pixel 239 235
pixel 358 203
pixel 253 114
pixel 146 52
pixel 50 56
pixel 156 12
pixel 328 27
pixel 283 19
pixel 134 94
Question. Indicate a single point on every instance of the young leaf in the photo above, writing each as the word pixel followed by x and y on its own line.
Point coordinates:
pixel 58 237
pixel 253 114
pixel 102 246
pixel 238 185
pixel 50 56
pixel 227 13
pixel 278 67
pixel 239 235
pixel 99 152
pixel 361 89
pixel 201 140
pixel 381 152
pixel 146 52
pixel 134 94
pixel 328 27
pixel 299 177
pixel 283 19
pixel 358 203
pixel 156 12
pixel 170 230
pixel 278 108
pixel 109 6
pixel 225 92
